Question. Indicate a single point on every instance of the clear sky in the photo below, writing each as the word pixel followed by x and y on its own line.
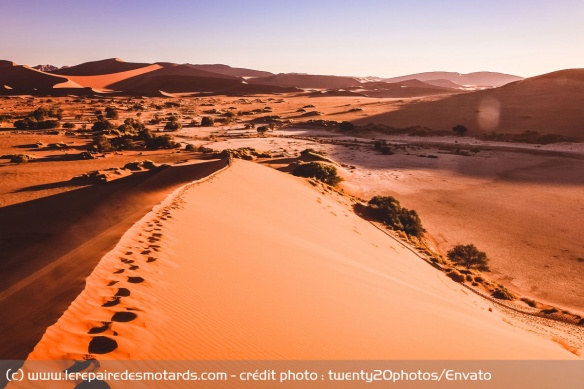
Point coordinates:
pixel 357 38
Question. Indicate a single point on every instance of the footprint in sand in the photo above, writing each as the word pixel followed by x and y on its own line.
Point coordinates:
pixel 111 303
pixel 151 259
pixel 135 280
pixel 111 283
pixel 99 330
pixel 124 317
pixel 102 345
pixel 126 260
pixel 129 253
pixel 134 267
pixel 79 366
pixel 146 252
pixel 122 292
pixel 119 271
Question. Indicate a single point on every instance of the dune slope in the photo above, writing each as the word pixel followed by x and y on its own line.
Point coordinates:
pixel 255 264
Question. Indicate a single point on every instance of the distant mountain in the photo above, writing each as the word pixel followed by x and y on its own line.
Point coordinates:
pixel 228 70
pixel 306 81
pixel 404 89
pixel 45 68
pixel 444 83
pixel 549 104
pixel 479 79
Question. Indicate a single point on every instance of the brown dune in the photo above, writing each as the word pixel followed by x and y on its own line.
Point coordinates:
pixel 485 79
pixel 236 72
pixel 408 88
pixel 444 83
pixel 175 78
pixel 103 81
pixel 24 79
pixel 551 103
pixel 105 66
pixel 306 81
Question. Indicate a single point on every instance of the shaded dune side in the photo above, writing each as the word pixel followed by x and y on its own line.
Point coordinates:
pixel 255 264
pixel 550 103
pixel 49 246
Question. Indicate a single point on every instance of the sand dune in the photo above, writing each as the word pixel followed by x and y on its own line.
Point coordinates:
pixel 403 89
pixel 24 79
pixel 50 245
pixel 550 103
pixel 256 264
pixel 484 79
pixel 306 81
pixel 105 80
pixel 236 72
pixel 105 66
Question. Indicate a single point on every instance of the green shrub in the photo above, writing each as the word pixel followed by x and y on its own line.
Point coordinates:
pixel 469 256
pixel 111 113
pixel 320 171
pixel 346 126
pixel 502 293
pixel 20 158
pixel 207 121
pixel 455 275
pixel 388 210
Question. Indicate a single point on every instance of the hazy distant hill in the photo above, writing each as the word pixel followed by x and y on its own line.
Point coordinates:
pixel 481 79
pixel 237 72
pixel 551 103
pixel 404 89
pixel 306 81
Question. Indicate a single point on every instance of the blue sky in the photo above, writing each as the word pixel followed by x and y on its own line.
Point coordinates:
pixel 360 38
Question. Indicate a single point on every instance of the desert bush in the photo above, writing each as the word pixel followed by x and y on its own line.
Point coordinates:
pixel 502 293
pixel 68 125
pixel 173 124
pixel 320 171
pixel 207 121
pixel 388 210
pixel 529 302
pixel 20 158
pixel 307 152
pixel 346 126
pixel 102 125
pixel 111 113
pixel 455 275
pixel 469 256
pixel 102 144
pixel 190 147
pixel 459 130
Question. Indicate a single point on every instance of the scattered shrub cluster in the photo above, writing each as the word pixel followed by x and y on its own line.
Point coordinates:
pixel 469 256
pixel 321 171
pixel 388 210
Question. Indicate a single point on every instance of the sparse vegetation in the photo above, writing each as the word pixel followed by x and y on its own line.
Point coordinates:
pixel 469 256
pixel 321 171
pixel 459 130
pixel 388 210
pixel 207 121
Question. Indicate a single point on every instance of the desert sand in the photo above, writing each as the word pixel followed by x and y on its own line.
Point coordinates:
pixel 225 270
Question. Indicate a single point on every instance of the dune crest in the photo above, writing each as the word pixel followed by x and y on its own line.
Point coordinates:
pixel 255 264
